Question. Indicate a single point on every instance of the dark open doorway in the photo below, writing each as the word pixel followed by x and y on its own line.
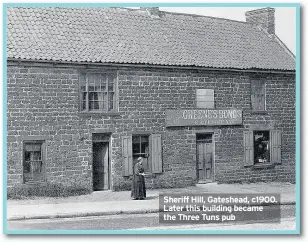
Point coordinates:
pixel 101 162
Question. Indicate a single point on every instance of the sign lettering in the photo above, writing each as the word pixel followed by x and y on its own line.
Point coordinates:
pixel 198 117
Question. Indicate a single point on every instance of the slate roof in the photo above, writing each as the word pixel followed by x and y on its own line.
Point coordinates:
pixel 119 35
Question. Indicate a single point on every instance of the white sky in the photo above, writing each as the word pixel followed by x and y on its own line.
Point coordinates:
pixel 285 19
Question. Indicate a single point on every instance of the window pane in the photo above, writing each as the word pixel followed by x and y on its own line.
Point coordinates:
pixel 261 147
pixel 144 148
pixel 33 164
pixel 110 87
pixel 209 104
pixel 144 139
pixel 102 100
pixel 82 82
pixel 141 149
pixel 111 96
pixel 136 139
pixel 205 98
pixel 91 81
pixel 91 105
pixel 103 82
pixel 201 104
pixel 93 96
pixel 99 92
pixel 136 148
pixel 93 101
pixel 84 105
pixel 95 105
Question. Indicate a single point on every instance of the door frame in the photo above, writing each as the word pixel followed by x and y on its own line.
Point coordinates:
pixel 213 155
pixel 109 157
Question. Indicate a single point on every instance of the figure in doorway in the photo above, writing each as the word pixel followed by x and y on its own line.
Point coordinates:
pixel 138 184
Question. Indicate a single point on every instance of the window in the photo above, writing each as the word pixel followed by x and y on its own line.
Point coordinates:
pixel 205 98
pixel 98 92
pixel 262 147
pixel 141 149
pixel 258 95
pixel 147 146
pixel 33 162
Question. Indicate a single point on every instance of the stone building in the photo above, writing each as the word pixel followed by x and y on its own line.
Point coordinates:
pixel 201 99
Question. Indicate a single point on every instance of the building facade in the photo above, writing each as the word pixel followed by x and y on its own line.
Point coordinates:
pixel 86 122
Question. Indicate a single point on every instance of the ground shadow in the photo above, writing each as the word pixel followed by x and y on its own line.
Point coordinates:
pixel 151 197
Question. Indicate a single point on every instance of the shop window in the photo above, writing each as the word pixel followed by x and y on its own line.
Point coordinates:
pixel 258 95
pixel 33 162
pixel 141 149
pixel 205 98
pixel 147 146
pixel 262 147
pixel 97 92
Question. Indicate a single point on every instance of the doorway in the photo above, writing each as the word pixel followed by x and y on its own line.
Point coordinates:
pixel 101 166
pixel 205 166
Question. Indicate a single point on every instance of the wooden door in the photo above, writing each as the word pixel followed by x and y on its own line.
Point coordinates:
pixel 205 160
pixel 100 166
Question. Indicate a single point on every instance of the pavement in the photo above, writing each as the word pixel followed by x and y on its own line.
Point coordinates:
pixel 111 203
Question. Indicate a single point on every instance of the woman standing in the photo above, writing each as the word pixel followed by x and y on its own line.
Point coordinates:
pixel 138 183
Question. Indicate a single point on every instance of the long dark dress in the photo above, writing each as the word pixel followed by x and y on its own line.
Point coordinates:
pixel 138 183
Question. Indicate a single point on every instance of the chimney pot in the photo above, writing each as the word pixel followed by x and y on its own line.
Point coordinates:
pixel 153 12
pixel 264 17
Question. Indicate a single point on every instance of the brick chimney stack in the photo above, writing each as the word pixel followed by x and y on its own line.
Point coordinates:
pixel 264 18
pixel 153 12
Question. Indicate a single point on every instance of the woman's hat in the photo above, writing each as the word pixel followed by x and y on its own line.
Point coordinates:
pixel 139 158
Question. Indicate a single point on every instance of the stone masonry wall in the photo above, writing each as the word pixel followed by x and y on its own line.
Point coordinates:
pixel 43 100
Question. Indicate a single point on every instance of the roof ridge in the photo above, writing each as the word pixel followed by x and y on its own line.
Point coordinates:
pixel 283 45
pixel 277 39
pixel 140 10
pixel 185 14
pixel 205 16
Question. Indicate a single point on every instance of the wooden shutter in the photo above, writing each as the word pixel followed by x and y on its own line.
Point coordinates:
pixel 127 153
pixel 83 93
pixel 156 153
pixel 258 95
pixel 205 98
pixel 44 159
pixel 275 146
pixel 248 148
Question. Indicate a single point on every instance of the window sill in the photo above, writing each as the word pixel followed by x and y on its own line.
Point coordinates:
pixel 261 166
pixel 98 114
pixel 33 183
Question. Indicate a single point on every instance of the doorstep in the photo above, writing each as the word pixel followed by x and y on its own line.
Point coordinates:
pixel 205 181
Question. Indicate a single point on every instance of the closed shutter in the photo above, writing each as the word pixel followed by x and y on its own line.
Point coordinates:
pixel 156 153
pixel 248 148
pixel 275 146
pixel 258 95
pixel 44 158
pixel 127 153
pixel 205 98
pixel 83 98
